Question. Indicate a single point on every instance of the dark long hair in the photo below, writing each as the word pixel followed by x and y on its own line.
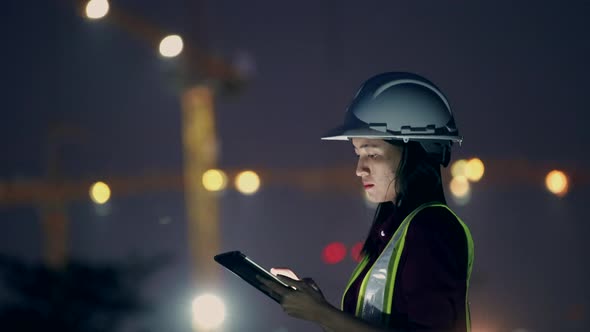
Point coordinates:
pixel 417 181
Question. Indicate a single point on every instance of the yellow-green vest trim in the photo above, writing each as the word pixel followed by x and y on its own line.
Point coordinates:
pixel 375 298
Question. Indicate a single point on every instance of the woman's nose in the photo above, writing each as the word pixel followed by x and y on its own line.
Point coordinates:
pixel 361 168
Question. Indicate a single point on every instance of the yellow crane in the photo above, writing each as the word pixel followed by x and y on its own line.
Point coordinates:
pixel 52 193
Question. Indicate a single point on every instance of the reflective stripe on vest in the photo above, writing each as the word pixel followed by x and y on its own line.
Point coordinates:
pixel 375 299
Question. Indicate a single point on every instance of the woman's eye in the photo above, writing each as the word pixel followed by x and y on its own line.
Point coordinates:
pixel 370 156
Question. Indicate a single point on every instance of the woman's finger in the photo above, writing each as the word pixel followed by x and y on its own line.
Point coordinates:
pixel 284 272
pixel 290 282
pixel 272 286
pixel 311 283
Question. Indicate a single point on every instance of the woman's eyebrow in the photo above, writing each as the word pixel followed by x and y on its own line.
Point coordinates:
pixel 367 146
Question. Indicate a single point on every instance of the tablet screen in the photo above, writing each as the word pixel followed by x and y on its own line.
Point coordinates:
pixel 247 269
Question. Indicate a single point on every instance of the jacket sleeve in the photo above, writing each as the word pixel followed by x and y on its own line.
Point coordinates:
pixel 432 273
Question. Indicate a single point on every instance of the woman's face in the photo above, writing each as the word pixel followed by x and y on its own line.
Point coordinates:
pixel 377 164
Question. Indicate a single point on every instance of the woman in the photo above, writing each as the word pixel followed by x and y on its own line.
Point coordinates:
pixel 417 257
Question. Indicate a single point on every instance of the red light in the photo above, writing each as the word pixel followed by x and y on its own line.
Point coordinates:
pixel 334 253
pixel 355 252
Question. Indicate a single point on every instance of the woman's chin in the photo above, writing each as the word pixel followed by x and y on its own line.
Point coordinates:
pixel 373 199
pixel 379 199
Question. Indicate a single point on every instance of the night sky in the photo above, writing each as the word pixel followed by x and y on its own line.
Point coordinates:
pixel 515 74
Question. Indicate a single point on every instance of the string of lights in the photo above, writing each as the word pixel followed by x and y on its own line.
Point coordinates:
pixel 459 180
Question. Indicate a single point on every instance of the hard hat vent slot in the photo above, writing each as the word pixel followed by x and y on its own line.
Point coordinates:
pixel 430 129
pixel 378 126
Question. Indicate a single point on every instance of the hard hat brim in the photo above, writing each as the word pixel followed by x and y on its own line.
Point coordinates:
pixel 344 133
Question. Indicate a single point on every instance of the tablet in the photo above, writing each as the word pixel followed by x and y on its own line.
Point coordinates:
pixel 247 269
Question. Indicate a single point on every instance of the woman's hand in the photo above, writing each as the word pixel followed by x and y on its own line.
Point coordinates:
pixel 303 299
pixel 305 302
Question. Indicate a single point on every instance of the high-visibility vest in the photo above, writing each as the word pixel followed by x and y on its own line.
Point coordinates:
pixel 375 298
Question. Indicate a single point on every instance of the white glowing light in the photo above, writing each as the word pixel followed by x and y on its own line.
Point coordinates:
pixel 96 9
pixel 171 46
pixel 208 312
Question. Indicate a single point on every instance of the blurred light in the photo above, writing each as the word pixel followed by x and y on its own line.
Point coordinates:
pixel 334 253
pixel 355 252
pixel 474 170
pixel 245 65
pixel 208 312
pixel 557 183
pixel 458 168
pixel 100 192
pixel 214 180
pixel 247 182
pixel 477 327
pixel 460 190
pixel 96 9
pixel 165 220
pixel 460 186
pixel 171 46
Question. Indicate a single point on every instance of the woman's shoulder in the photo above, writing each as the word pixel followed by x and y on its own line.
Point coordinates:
pixel 437 230
pixel 437 220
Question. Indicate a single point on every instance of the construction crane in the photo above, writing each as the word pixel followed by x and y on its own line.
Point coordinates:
pixel 52 193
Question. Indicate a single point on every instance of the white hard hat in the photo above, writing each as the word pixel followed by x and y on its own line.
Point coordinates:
pixel 400 106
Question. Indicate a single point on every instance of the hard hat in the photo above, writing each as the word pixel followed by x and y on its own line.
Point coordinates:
pixel 400 106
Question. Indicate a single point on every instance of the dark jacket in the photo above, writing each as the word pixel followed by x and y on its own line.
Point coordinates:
pixel 429 291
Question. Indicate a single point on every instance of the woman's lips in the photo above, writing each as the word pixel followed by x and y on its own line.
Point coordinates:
pixel 367 186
